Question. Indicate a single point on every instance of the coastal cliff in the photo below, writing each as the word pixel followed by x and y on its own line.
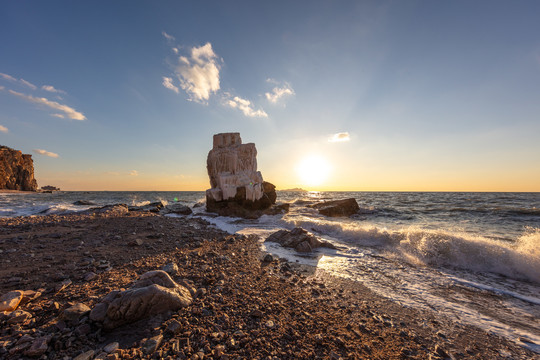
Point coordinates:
pixel 16 170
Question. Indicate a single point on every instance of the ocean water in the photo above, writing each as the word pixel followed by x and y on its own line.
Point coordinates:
pixel 473 257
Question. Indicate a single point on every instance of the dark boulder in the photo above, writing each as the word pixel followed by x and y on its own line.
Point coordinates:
pixel 346 207
pixel 298 239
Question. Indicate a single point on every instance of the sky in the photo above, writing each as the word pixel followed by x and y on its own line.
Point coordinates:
pixel 336 95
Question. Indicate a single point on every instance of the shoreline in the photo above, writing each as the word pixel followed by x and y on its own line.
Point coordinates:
pixel 248 308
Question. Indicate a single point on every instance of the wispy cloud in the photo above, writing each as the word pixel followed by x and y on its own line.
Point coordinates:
pixel 4 129
pixel 45 153
pixel 29 84
pixel 167 36
pixel 340 137
pixel 279 92
pixel 51 88
pixel 70 112
pixel 133 173
pixel 7 77
pixel 198 73
pixel 20 81
pixel 245 106
pixel 61 116
pixel 167 82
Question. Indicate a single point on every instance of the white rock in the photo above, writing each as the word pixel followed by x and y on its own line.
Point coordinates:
pixel 230 165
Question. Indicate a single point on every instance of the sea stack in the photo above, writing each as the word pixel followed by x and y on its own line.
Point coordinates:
pixel 16 170
pixel 237 188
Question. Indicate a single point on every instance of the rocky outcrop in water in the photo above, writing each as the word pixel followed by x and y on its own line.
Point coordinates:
pixel 237 188
pixel 299 239
pixel 336 208
pixel 16 170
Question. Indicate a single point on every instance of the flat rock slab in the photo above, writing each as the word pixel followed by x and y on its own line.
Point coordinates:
pixel 11 300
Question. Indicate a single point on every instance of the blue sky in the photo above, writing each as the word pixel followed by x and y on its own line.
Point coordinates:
pixel 127 95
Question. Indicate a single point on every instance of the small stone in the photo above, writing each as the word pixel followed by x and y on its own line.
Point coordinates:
pixel 174 327
pixel 85 356
pixel 18 316
pixel 39 347
pixel 110 348
pixel 75 312
pixel 10 301
pixel 268 258
pixel 440 351
pixel 201 292
pixel 152 344
pixel 90 276
pixel 256 314
pixel 83 329
pixel 171 269
pixel 270 324
pixel 136 242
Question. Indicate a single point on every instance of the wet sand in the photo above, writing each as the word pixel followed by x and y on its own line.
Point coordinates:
pixel 249 309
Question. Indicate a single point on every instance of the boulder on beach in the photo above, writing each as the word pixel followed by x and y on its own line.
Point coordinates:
pixel 155 292
pixel 152 207
pixel 299 239
pixel 335 208
pixel 176 208
pixel 237 188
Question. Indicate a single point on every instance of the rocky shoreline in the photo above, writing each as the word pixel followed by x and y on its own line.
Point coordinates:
pixel 245 305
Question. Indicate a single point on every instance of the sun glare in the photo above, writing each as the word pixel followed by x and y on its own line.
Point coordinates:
pixel 313 170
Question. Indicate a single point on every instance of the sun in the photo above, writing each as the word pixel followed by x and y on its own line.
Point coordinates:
pixel 313 170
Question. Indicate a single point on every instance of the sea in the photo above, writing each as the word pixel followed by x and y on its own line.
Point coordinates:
pixel 472 257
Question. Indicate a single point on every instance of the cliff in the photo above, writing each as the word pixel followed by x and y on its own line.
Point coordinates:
pixel 16 170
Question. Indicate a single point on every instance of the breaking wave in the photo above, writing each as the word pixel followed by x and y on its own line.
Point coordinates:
pixel 518 259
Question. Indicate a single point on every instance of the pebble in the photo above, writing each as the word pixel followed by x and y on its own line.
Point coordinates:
pixel 11 300
pixel 171 268
pixel 152 344
pixel 75 312
pixel 112 347
pixel 85 356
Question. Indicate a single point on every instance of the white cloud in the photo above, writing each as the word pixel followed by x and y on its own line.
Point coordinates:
pixel 167 36
pixel 21 81
pixel 45 152
pixel 2 88
pixel 167 82
pixel 133 173
pixel 61 116
pixel 51 88
pixel 340 137
pixel 3 129
pixel 279 92
pixel 29 84
pixel 245 106
pixel 199 73
pixel 70 112
pixel 175 50
pixel 7 77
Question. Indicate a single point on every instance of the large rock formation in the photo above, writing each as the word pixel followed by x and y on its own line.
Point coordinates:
pixel 16 170
pixel 237 188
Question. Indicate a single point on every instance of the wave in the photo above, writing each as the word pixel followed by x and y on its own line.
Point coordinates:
pixel 519 259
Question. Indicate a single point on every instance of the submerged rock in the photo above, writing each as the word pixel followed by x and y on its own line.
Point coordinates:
pixel 237 188
pixel 346 207
pixel 298 239
pixel 177 208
